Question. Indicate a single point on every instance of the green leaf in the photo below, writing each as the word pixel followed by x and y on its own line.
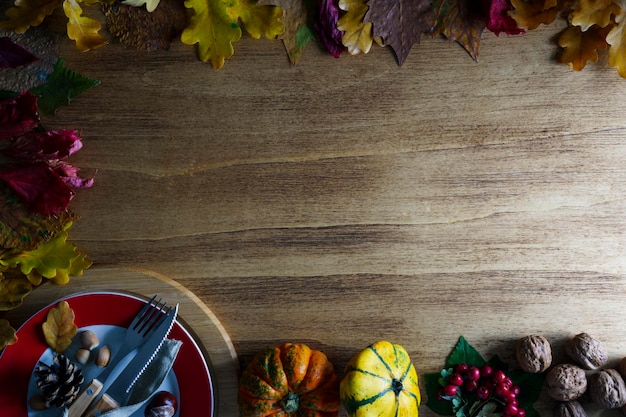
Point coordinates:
pixel 530 388
pixel 464 353
pixel 488 410
pixel 444 408
pixel 61 87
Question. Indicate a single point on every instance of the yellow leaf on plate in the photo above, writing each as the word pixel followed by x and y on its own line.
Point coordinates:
pixel 59 328
pixel 84 30
pixel 151 5
pixel 586 13
pixel 7 334
pixel 358 35
pixel 27 13
pixel 213 29
pixel 617 45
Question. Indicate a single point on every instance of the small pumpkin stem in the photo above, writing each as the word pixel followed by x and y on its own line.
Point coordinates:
pixel 396 386
pixel 291 402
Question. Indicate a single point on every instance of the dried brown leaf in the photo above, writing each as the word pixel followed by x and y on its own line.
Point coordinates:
pixel 59 328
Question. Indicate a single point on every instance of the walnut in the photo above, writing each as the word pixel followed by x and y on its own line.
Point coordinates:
pixel 570 409
pixel 533 353
pixel 607 389
pixel 566 382
pixel 586 351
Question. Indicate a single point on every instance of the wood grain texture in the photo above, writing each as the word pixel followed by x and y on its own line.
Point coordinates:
pixel 339 202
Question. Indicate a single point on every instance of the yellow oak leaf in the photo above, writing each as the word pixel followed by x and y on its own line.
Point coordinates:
pixel 530 14
pixel 12 292
pixel 151 5
pixel 357 35
pixel 586 13
pixel 258 19
pixel 581 46
pixel 27 13
pixel 212 28
pixel 81 29
pixel 59 327
pixel 7 334
pixel 617 44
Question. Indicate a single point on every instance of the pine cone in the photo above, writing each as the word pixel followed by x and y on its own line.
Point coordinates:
pixel 60 382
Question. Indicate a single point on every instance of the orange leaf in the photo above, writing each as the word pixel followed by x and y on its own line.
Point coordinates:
pixel 84 30
pixel 581 47
pixel 7 334
pixel 27 13
pixel 587 13
pixel 617 45
pixel 530 14
pixel 59 328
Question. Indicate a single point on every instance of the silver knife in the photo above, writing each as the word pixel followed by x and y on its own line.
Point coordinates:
pixel 117 393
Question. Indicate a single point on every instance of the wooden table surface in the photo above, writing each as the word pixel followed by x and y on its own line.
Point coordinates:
pixel 340 202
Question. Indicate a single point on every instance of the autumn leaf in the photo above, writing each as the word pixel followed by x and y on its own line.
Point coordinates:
pixel 137 28
pixel 8 336
pixel 326 18
pixel 499 19
pixel 27 13
pixel 530 14
pixel 399 23
pixel 257 19
pixel 81 29
pixel 582 46
pixel 357 35
pixel 13 55
pixel 24 230
pixel 617 44
pixel 59 327
pixel 12 292
pixel 296 21
pixel 61 87
pixel 461 21
pixel 212 28
pixel 151 5
pixel 587 13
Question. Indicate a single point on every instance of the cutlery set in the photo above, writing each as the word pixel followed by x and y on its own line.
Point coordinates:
pixel 112 387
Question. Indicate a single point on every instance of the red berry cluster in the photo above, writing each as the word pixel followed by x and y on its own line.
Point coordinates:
pixel 485 384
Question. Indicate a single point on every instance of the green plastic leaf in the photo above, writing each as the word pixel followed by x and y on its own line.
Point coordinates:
pixel 61 87
pixel 464 353
pixel 432 383
pixel 530 389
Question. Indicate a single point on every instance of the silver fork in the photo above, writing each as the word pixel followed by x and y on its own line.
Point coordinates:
pixel 148 318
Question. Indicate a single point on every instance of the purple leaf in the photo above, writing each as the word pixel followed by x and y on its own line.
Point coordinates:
pixel 45 146
pixel 326 26
pixel 18 115
pixel 13 55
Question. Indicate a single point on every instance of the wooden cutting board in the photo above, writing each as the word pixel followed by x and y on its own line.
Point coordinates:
pixel 198 317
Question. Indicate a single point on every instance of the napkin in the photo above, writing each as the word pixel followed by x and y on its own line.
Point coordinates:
pixel 148 382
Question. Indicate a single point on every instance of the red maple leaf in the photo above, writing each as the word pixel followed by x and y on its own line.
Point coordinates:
pixel 499 19
pixel 399 23
pixel 18 115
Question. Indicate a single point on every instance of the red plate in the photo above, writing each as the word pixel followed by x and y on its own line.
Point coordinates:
pixel 18 361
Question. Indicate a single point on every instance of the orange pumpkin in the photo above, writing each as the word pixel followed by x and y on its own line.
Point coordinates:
pixel 289 380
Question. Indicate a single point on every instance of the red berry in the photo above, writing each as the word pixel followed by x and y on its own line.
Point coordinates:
pixel 461 368
pixel 515 389
pixel 498 376
pixel 521 412
pixel 470 386
pixel 510 410
pixel 486 371
pixel 508 382
pixel 440 394
pixel 501 390
pixel 510 398
pixel 473 373
pixel 456 379
pixel 450 390
pixel 489 384
pixel 483 393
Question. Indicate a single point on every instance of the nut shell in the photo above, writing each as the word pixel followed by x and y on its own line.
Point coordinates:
pixel 533 353
pixel 570 409
pixel 566 382
pixel 607 389
pixel 82 356
pixel 89 340
pixel 103 356
pixel 586 351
